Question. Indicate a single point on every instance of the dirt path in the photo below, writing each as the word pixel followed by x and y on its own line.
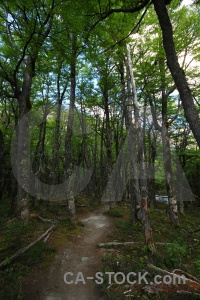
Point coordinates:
pixel 79 255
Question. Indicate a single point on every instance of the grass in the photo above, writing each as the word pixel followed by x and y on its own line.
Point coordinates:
pixel 115 212
pixel 181 252
pixel 15 235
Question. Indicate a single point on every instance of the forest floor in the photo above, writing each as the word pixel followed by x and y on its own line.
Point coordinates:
pixel 72 247
pixel 78 254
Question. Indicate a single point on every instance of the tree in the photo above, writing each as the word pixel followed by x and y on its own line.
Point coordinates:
pixel 1 160
pixel 35 22
pixel 142 157
pixel 177 72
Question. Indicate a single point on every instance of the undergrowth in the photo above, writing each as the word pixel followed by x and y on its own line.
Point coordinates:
pixel 16 235
pixel 178 249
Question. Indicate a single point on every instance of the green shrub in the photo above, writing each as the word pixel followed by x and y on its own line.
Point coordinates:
pixel 115 212
pixel 197 267
pixel 175 254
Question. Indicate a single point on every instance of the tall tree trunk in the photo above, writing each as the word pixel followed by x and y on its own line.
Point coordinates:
pixel 23 140
pixel 108 132
pixel 39 154
pixel 142 159
pixel 1 161
pixel 135 196
pixel 102 182
pixel 177 72
pixel 151 164
pixel 180 193
pixel 168 164
pixel 108 143
pixel 68 141
pixel 95 182
pixel 54 165
pixel 21 84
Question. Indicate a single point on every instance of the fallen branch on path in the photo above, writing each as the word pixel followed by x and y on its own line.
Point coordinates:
pixel 110 244
pixel 23 250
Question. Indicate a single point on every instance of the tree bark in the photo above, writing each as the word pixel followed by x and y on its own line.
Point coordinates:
pixel 152 136
pixel 23 140
pixel 108 137
pixel 142 160
pixel 177 72
pixel 25 249
pixel 68 141
pixel 173 208
pixel 135 196
pixel 1 161
pixel 54 166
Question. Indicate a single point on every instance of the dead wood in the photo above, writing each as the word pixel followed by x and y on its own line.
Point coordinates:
pixel 110 244
pixel 159 270
pixel 190 231
pixel 47 237
pixel 182 292
pixel 23 250
pixel 45 220
pixel 191 283
pixel 189 276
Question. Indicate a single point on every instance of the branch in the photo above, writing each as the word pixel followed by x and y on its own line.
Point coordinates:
pixel 153 112
pixel 189 276
pixel 178 110
pixel 6 76
pixel 132 31
pixel 192 231
pixel 23 250
pixel 106 14
pixel 24 52
pixel 110 244
pixel 191 283
pixel 45 220
pixel 171 90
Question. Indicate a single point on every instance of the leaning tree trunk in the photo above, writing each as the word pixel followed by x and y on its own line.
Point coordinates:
pixel 68 141
pixel 177 72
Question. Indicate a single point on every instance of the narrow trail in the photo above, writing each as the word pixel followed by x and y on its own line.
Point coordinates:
pixel 79 255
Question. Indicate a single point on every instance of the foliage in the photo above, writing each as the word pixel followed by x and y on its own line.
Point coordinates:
pixel 115 212
pixel 36 42
pixel 176 254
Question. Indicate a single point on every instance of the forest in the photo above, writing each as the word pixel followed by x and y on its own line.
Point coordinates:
pixel 100 106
